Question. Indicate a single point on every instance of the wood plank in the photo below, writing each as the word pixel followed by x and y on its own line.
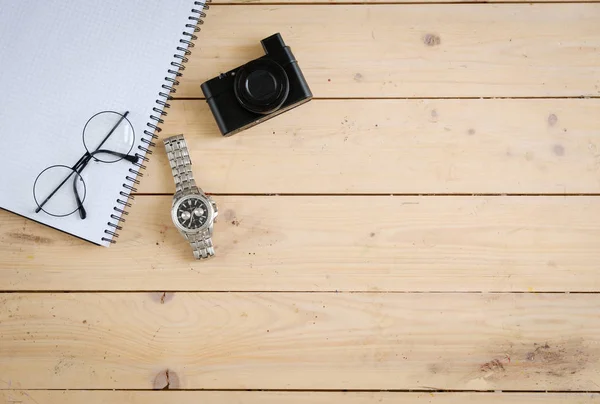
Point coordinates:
pixel 466 50
pixel 326 244
pixel 301 341
pixel 272 397
pixel 394 146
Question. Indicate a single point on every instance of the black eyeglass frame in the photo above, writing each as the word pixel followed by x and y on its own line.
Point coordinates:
pixel 83 161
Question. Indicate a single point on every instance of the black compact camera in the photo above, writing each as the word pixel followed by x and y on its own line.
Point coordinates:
pixel 258 90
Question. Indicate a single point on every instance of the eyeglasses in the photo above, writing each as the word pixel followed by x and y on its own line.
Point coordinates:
pixel 108 137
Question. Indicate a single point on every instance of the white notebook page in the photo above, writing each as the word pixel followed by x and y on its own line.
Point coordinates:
pixel 63 61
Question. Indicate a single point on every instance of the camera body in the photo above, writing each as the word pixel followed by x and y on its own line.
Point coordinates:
pixel 259 90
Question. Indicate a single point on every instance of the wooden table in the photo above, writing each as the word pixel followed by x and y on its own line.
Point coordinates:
pixel 426 230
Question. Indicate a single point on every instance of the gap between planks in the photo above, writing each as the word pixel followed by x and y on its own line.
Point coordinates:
pixel 574 97
pixel 482 393
pixel 386 2
pixel 287 397
pixel 266 291
pixel 409 3
pixel 291 195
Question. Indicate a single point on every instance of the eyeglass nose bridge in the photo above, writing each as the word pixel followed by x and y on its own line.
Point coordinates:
pixel 87 157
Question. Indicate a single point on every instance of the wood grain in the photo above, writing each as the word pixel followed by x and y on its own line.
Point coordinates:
pixel 300 341
pixel 454 50
pixel 265 397
pixel 393 146
pixel 326 244
pixel 158 336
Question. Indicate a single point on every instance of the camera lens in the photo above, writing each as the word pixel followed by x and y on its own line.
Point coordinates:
pixel 261 86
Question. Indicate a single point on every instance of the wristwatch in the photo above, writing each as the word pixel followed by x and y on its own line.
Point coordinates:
pixel 193 212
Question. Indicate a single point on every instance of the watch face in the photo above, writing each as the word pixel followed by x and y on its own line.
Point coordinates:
pixel 192 213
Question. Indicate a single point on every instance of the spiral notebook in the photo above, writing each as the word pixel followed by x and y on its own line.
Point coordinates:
pixel 85 85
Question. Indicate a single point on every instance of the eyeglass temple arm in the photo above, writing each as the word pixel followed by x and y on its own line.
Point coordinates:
pixel 112 130
pixel 80 208
pixel 128 157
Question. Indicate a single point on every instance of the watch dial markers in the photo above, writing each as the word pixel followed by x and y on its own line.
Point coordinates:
pixel 192 213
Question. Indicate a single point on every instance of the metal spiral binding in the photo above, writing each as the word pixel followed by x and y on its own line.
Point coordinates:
pixel 177 66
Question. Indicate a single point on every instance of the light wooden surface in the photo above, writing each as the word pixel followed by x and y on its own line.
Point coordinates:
pixel 301 341
pixel 395 146
pixel 452 50
pixel 326 288
pixel 316 243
